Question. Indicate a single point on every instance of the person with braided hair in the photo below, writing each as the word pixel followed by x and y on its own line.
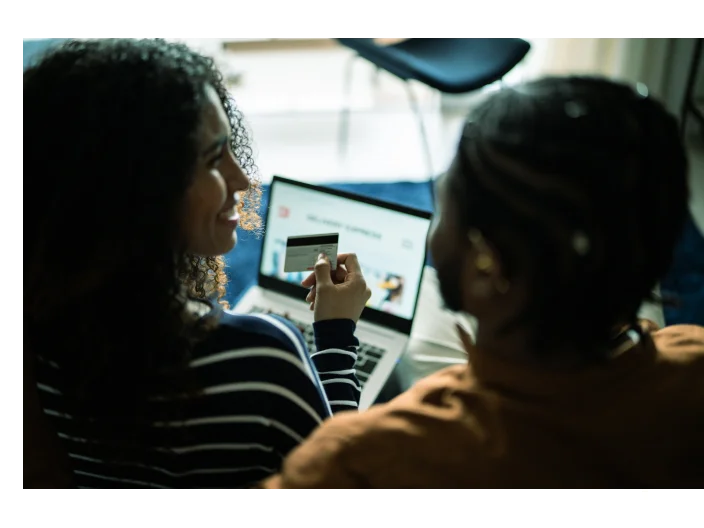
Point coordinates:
pixel 556 220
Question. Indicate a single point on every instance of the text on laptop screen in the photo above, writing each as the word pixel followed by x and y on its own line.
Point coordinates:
pixel 390 245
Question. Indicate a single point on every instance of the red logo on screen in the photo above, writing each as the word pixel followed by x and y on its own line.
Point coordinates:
pixel 284 212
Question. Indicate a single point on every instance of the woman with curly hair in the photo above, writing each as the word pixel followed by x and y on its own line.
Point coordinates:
pixel 141 168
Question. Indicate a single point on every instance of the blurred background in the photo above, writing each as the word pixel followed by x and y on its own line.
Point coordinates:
pixel 321 113
pixel 292 92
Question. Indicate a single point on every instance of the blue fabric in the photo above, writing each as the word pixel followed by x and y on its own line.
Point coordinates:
pixel 685 280
pixel 451 65
pixel 33 49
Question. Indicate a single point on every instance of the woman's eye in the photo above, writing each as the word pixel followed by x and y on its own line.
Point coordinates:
pixel 215 161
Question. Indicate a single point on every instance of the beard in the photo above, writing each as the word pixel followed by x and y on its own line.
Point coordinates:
pixel 449 273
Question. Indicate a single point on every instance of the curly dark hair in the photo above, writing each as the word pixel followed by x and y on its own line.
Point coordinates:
pixel 110 131
pixel 581 183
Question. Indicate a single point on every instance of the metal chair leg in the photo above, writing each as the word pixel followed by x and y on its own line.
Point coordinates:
pixel 343 135
pixel 421 125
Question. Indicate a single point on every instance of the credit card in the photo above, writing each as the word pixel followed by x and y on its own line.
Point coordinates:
pixel 302 251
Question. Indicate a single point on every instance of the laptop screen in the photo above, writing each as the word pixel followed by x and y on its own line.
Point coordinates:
pixel 389 240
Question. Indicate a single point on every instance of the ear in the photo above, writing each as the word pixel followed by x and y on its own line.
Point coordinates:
pixel 484 269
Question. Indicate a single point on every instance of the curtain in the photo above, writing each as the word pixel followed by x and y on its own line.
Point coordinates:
pixel 661 64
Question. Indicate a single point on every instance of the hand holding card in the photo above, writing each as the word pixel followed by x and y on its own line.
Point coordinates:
pixel 338 294
pixel 337 276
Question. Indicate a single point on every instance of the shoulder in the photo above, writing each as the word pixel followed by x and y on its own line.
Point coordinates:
pixel 260 347
pixel 239 331
pixel 263 356
pixel 432 406
pixel 387 443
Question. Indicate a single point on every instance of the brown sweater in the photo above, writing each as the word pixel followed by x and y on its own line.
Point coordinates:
pixel 637 421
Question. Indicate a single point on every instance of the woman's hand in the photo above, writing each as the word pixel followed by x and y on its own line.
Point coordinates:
pixel 339 294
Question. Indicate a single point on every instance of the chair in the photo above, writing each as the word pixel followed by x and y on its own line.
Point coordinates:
pixel 451 65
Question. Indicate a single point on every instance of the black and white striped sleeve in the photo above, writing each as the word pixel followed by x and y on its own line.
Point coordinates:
pixel 335 362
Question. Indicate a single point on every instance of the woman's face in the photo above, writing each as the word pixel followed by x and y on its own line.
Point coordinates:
pixel 210 216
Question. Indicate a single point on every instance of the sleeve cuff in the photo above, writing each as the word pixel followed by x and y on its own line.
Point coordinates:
pixel 335 333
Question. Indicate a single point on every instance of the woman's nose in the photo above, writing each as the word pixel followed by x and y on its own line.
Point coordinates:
pixel 237 178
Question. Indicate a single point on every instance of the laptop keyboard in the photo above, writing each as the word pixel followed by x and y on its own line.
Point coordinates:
pixel 368 356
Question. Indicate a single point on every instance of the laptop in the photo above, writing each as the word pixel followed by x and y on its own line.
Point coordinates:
pixel 390 243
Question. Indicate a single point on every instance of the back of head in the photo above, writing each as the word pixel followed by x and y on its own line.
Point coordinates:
pixel 581 185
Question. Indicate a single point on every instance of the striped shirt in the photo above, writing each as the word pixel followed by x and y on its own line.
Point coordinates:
pixel 261 395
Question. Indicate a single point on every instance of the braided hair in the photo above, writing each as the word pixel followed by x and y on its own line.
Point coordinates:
pixel 581 183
